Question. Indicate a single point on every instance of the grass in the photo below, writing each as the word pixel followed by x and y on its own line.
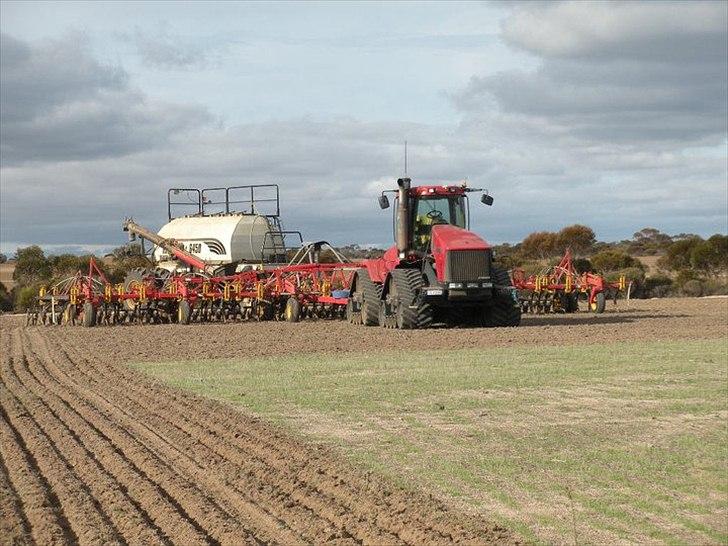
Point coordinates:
pixel 572 444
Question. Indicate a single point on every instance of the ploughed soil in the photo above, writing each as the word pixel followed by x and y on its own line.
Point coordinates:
pixel 93 452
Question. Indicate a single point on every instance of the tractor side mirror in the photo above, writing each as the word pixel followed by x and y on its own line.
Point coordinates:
pixel 486 199
pixel 383 202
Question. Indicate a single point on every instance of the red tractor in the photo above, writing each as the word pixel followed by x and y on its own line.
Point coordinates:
pixel 438 272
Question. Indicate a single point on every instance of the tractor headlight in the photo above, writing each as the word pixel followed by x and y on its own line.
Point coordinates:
pixel 473 285
pixel 455 285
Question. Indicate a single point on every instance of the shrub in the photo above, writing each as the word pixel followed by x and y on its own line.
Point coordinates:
pixel 578 237
pixel 678 254
pixel 658 286
pixel 25 297
pixel 31 266
pixel 615 260
pixel 6 298
pixel 540 244
pixel 693 288
pixel 634 274
pixel 582 265
pixel 684 276
pixel 715 287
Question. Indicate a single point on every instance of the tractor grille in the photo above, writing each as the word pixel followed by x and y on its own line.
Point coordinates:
pixel 467 265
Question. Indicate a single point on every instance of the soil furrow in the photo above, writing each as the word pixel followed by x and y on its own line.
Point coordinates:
pixel 161 507
pixel 14 525
pixel 303 475
pixel 85 517
pixel 227 524
pixel 41 506
pixel 92 462
pixel 289 497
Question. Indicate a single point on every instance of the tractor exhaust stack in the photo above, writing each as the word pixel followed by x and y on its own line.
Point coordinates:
pixel 403 213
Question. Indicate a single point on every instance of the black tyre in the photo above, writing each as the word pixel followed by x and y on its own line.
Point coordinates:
pixel 184 312
pixel 505 310
pixel 599 303
pixel 293 310
pixel 408 312
pixel 572 300
pixel 88 318
pixel 371 293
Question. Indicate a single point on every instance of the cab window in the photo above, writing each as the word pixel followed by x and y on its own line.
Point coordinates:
pixel 430 211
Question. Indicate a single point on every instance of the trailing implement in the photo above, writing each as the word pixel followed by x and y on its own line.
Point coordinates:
pixel 558 289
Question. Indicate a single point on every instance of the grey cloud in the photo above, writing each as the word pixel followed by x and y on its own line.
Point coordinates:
pixel 327 172
pixel 601 81
pixel 166 51
pixel 59 103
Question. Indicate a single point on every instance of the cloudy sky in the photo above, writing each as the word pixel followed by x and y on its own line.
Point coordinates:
pixel 605 113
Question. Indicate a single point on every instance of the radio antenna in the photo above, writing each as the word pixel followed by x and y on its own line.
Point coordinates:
pixel 405 157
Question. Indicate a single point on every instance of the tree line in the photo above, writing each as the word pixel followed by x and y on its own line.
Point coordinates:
pixel 34 269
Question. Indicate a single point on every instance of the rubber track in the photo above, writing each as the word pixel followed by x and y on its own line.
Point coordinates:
pixel 408 282
pixel 504 311
pixel 372 294
pixel 94 452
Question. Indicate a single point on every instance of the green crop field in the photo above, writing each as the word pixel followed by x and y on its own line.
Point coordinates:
pixel 572 444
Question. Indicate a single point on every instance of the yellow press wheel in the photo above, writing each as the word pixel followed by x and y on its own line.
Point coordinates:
pixel 293 310
pixel 184 312
pixel 69 314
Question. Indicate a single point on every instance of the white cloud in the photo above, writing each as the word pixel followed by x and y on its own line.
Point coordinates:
pixel 618 29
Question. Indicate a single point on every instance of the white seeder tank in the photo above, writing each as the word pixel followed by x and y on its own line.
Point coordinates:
pixel 221 239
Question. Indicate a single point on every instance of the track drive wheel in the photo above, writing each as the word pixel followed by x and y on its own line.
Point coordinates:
pixel 405 312
pixel 293 310
pixel 88 315
pixel 599 303
pixel 368 295
pixel 505 309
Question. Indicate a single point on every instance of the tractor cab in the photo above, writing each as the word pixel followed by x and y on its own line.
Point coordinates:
pixel 418 209
pixel 434 208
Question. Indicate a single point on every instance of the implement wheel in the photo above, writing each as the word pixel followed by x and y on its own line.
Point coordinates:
pixel 184 312
pixel 599 303
pixel 69 315
pixel 293 310
pixel 88 315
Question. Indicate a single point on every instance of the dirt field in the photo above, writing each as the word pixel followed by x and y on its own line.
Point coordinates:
pixel 638 320
pixel 94 452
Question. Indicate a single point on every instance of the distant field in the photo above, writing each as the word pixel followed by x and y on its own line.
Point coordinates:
pixel 6 274
pixel 591 443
